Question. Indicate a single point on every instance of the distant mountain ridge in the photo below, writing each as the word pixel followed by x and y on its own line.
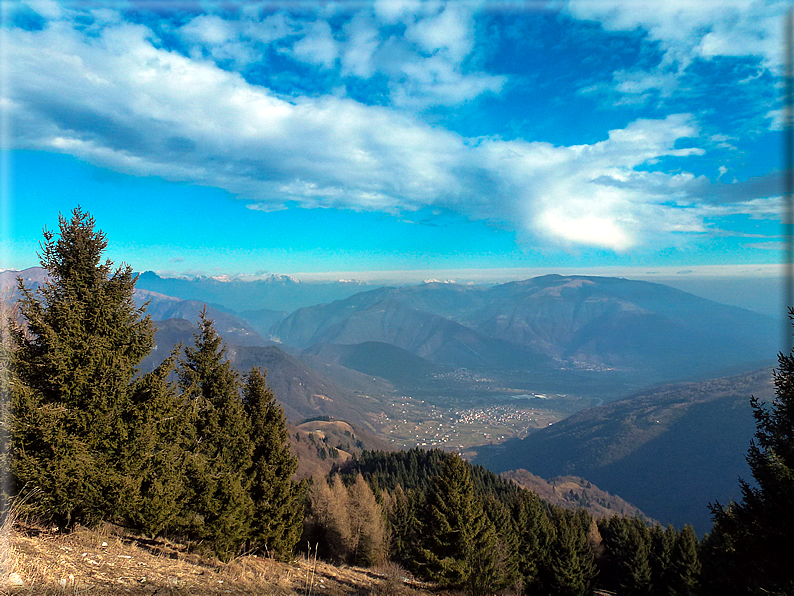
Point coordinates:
pixel 232 328
pixel 275 293
pixel 575 320
pixel 565 321
pixel 379 316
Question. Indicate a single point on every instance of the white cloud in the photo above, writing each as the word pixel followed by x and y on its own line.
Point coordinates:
pixel 362 43
pixel 393 11
pixel 451 31
pixel 687 30
pixel 424 65
pixel 318 45
pixel 209 29
pixel 118 101
pixel 707 28
pixel 49 9
pixel 236 41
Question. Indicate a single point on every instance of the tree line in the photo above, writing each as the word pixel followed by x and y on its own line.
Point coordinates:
pixel 197 451
pixel 466 528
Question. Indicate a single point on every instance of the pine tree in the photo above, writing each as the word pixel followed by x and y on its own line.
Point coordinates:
pixel 277 519
pixel 459 540
pixel 663 541
pixel 217 481
pixel 76 362
pixel 404 527
pixel 5 414
pixel 160 437
pixel 627 545
pixel 685 566
pixel 535 536
pixel 756 533
pixel 505 554
pixel 570 569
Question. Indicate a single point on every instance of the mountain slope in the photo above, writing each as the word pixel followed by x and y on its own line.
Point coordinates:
pixel 303 391
pixel 622 322
pixel 385 316
pixel 573 492
pixel 377 359
pixel 669 451
pixel 582 322
pixel 232 328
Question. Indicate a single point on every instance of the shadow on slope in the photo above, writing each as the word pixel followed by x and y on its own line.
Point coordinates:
pixel 669 451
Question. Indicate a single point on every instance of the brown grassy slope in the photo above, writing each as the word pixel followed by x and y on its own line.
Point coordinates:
pixel 573 492
pixel 349 440
pixel 109 561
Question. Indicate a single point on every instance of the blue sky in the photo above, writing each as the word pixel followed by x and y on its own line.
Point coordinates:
pixel 302 137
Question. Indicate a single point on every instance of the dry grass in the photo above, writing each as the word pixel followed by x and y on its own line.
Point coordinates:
pixel 110 561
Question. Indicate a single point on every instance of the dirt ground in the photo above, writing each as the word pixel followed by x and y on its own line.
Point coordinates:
pixel 109 561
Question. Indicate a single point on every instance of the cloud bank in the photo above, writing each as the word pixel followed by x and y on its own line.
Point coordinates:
pixel 114 94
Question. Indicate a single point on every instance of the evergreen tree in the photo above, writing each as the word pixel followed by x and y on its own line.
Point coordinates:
pixel 277 519
pixel 404 527
pixel 663 541
pixel 685 566
pixel 160 436
pixel 76 363
pixel 506 555
pixel 5 414
pixel 459 540
pixel 627 545
pixel 217 481
pixel 570 569
pixel 756 533
pixel 535 536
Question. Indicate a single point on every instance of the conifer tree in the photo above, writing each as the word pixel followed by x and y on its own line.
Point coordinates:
pixel 663 541
pixel 160 436
pixel 5 413
pixel 367 525
pixel 217 482
pixel 505 555
pixel 404 527
pixel 459 545
pixel 76 362
pixel 755 534
pixel 627 545
pixel 278 502
pixel 685 566
pixel 570 569
pixel 328 524
pixel 535 536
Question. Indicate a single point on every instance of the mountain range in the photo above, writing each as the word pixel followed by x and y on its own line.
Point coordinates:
pixel 274 292
pixel 572 321
pixel 599 323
